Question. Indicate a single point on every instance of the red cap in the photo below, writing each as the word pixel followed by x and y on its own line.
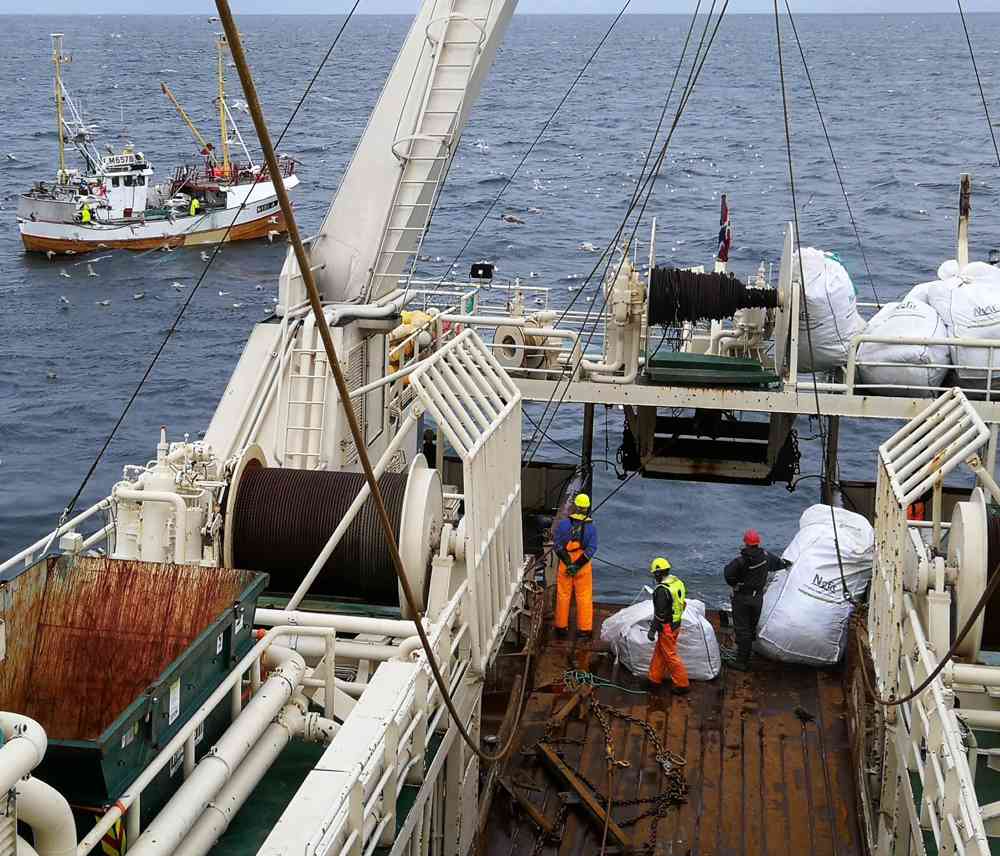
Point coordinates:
pixel 751 538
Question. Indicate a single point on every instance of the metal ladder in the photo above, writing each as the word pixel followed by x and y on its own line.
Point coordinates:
pixel 455 40
pixel 308 378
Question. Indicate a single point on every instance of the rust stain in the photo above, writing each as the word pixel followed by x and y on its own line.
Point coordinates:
pixel 103 631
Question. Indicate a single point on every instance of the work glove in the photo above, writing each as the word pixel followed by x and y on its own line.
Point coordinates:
pixel 651 633
pixel 786 563
pixel 572 569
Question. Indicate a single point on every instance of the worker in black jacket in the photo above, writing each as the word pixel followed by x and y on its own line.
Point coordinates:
pixel 748 574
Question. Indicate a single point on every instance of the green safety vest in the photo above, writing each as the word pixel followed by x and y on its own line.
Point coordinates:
pixel 678 593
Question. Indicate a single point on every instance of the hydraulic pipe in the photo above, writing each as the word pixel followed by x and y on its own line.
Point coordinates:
pixel 394 627
pixel 23 748
pixel 24 848
pixel 180 511
pixel 312 647
pixel 219 813
pixel 169 827
pixel 48 814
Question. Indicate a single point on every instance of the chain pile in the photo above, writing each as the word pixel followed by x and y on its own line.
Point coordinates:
pixel 672 766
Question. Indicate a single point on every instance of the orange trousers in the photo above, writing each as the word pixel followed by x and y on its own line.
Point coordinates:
pixel 581 585
pixel 665 660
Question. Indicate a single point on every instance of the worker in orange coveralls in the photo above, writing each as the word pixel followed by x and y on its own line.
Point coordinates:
pixel 575 545
pixel 669 600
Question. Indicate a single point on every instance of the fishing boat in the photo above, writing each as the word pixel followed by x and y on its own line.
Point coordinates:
pixel 113 203
pixel 309 632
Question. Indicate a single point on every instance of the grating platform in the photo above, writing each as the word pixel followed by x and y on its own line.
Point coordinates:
pixel 763 777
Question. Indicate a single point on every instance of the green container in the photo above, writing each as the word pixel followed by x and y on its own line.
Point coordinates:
pixel 679 368
pixel 203 616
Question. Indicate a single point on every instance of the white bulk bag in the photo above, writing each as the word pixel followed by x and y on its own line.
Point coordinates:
pixel 805 613
pixel 920 366
pixel 833 317
pixel 969 305
pixel 697 646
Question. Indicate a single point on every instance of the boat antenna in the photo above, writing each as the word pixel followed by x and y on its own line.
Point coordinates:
pixel 271 159
pixel 221 44
pixel 57 60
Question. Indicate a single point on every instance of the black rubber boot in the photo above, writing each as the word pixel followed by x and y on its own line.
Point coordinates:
pixel 562 632
pixel 676 690
pixel 739 664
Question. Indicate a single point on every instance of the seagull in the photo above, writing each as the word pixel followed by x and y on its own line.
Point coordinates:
pixel 103 302
pixel 177 285
pixel 64 272
pixel 167 248
pixel 224 293
pixel 588 247
pixel 139 295
pixel 507 217
pixel 259 287
pixel 51 375
pixel 273 219
pixel 533 275
pixel 64 300
pixel 91 271
pixel 11 157
pixel 50 253
pixel 70 252
pixel 205 256
pixel 534 210
pixel 237 305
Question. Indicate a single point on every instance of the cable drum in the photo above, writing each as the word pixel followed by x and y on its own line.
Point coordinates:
pixel 676 296
pixel 281 519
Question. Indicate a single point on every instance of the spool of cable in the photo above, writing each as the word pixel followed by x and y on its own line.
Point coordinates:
pixel 278 520
pixel 517 348
pixel 676 296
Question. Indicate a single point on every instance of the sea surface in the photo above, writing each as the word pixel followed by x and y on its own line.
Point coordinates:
pixel 901 106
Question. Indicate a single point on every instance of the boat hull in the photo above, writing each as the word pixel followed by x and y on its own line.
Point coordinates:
pixel 260 218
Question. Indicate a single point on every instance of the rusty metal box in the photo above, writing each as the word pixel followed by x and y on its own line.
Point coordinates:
pixel 112 657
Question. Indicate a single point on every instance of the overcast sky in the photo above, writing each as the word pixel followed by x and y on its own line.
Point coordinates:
pixel 64 7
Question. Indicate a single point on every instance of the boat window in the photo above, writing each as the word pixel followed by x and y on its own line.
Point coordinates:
pixel 114 181
pixel 140 180
pixel 128 180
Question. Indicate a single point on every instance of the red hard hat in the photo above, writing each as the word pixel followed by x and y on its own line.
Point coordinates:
pixel 751 538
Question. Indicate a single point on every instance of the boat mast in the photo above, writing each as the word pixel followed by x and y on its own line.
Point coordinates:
pixel 57 56
pixel 223 132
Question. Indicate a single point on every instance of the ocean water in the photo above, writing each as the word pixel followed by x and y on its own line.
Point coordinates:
pixel 898 95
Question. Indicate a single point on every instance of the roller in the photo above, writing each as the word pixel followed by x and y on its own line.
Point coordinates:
pixel 278 520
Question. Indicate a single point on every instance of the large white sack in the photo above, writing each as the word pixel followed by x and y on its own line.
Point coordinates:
pixel 832 311
pixel 697 645
pixel 805 613
pixel 919 366
pixel 969 305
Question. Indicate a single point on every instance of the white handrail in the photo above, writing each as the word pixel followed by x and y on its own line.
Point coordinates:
pixel 64 528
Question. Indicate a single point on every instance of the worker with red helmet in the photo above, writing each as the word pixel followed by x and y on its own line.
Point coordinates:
pixel 748 574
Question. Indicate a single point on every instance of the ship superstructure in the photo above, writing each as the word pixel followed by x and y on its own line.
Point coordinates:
pixel 306 636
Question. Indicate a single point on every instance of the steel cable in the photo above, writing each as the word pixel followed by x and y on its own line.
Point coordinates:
pixel 982 94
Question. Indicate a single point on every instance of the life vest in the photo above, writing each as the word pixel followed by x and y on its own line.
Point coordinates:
pixel 678 595
pixel 85 214
pixel 574 546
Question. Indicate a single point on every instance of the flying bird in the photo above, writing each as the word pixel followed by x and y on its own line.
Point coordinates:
pixel 64 272
pixel 91 271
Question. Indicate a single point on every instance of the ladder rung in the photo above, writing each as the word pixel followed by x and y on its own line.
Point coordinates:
pixel 413 204
pixel 308 376
pixel 307 401
pixel 447 89
pixel 303 454
pixel 405 229
pixel 419 181
pixel 305 428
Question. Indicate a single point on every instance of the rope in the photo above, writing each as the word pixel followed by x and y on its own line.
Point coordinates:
pixel 979 81
pixel 805 303
pixel 635 195
pixel 187 302
pixel 573 678
pixel 524 157
pixel 980 606
pixel 833 157
pixel 693 75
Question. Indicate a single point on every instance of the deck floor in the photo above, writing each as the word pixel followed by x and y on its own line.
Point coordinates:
pixel 768 761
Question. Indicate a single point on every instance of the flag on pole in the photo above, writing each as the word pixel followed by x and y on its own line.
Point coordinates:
pixel 725 232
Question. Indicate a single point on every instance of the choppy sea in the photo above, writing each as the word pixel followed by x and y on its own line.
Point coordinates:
pixel 901 105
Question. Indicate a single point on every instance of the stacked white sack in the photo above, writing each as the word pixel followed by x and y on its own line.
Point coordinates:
pixel 805 614
pixel 969 305
pixel 918 368
pixel 832 311
pixel 697 646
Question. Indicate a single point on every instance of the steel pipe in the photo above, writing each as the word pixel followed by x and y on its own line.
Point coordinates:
pixel 986 719
pixel 23 748
pixel 55 533
pixel 48 814
pixel 180 510
pixel 312 648
pixel 183 810
pixel 219 813
pixel 396 628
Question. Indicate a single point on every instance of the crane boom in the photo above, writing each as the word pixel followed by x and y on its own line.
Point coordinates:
pixel 206 147
pixel 377 221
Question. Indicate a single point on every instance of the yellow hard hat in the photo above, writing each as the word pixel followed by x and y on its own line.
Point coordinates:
pixel 582 501
pixel 658 565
